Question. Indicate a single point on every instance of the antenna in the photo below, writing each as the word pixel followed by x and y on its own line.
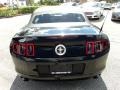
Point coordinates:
pixel 104 22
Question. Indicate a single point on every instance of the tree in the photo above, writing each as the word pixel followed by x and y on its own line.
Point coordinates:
pixel 111 1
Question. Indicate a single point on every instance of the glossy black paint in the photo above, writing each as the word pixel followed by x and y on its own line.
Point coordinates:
pixel 45 41
pixel 73 38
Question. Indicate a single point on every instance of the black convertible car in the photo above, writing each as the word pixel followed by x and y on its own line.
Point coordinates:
pixel 59 43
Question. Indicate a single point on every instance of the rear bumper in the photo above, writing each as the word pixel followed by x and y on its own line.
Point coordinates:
pixel 30 69
pixel 115 18
pixel 107 8
pixel 93 16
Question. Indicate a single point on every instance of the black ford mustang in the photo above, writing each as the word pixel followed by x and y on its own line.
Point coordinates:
pixel 59 44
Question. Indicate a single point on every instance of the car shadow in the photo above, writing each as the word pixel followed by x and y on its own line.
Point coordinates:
pixel 86 84
pixel 97 20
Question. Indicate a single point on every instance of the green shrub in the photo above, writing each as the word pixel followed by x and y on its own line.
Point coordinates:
pixel 14 12
pixel 48 2
pixel 8 13
pixel 25 10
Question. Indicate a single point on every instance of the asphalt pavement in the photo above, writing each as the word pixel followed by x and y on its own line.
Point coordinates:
pixel 109 80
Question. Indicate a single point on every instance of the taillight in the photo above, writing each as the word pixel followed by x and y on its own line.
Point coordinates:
pixel 90 48
pixel 24 49
pixel 30 50
pixel 14 47
pixel 105 44
pixel 98 46
pixel 93 47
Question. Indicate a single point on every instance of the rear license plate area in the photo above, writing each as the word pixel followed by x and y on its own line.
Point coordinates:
pixel 61 69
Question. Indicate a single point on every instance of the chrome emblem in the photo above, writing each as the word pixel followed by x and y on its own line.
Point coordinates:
pixel 60 49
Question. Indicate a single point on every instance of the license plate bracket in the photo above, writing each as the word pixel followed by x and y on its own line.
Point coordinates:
pixel 61 69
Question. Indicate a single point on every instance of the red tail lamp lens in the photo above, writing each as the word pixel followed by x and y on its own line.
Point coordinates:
pixel 90 48
pixel 30 50
pixel 24 49
pixel 98 46
pixel 105 44
pixel 21 48
pixel 15 48
pixel 95 47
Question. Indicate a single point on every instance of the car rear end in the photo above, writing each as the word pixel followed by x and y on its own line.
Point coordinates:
pixel 59 45
pixel 92 10
pixel 108 6
pixel 115 16
pixel 93 15
pixel 116 13
pixel 35 57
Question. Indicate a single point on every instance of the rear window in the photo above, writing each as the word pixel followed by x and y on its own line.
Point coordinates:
pixel 52 18
pixel 107 4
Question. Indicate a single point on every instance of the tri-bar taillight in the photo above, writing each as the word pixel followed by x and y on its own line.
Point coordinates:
pixel 93 47
pixel 24 49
